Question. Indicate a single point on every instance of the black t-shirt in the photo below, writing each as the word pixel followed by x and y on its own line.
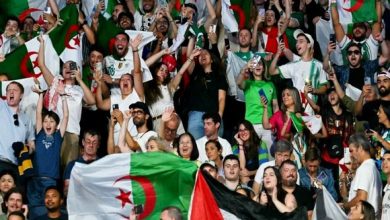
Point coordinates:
pixel 304 197
pixel 204 89
pixel 369 114
pixel 356 77
pixel 45 217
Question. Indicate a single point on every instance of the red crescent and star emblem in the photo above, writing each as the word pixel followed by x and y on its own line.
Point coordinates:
pixel 68 37
pixel 359 4
pixel 150 194
pixel 241 15
pixel 24 67
pixel 27 12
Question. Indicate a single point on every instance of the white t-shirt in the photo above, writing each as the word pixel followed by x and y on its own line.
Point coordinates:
pixel 369 47
pixel 75 105
pixel 299 72
pixel 124 106
pixel 157 108
pixel 139 19
pixel 201 143
pixel 142 138
pixel 386 203
pixel 367 178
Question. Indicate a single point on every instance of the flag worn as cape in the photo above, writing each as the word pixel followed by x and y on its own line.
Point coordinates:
pixel 298 123
pixel 233 69
pixel 355 11
pixel 228 19
pixel 326 207
pixel 211 200
pixel 108 188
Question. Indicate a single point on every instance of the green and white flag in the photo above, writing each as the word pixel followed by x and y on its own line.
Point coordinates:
pixel 20 8
pixel 355 11
pixel 110 187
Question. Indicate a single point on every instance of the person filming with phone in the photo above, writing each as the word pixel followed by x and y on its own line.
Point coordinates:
pixel 77 92
pixel 253 82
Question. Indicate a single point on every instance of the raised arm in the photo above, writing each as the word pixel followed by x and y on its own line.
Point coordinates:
pixel 172 25
pixel 258 23
pixel 376 26
pixel 54 7
pixel 111 148
pixel 122 133
pixel 129 142
pixel 273 68
pixel 338 29
pixel 243 76
pixel 285 20
pixel 137 72
pixel 47 75
pixel 88 97
pixel 289 202
pixel 326 64
pixel 155 57
pixel 103 104
pixel 87 30
pixel 38 124
pixel 221 101
pixel 190 63
pixel 211 17
pixel 309 89
pixel 65 117
pixel 265 120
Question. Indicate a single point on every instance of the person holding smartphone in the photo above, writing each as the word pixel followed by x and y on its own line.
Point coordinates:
pixel 314 176
pixel 253 82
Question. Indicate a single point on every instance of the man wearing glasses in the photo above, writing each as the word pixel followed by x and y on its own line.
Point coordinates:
pixel 15 126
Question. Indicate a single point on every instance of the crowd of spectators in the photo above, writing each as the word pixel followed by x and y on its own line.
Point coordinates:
pixel 292 119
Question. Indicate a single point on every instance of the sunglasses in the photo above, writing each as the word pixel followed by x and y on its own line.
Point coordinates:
pixel 138 112
pixel 16 119
pixel 350 52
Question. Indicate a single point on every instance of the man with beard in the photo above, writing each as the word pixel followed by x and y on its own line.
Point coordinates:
pixel 126 21
pixel 366 185
pixel 53 203
pixel 359 34
pixel 131 88
pixel 13 201
pixel 370 109
pixel 144 16
pixel 305 72
pixel 121 61
pixel 357 71
pixel 289 172
pixel 139 113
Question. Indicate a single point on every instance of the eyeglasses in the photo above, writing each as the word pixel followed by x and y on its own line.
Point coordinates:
pixel 16 119
pixel 137 112
pixel 168 130
pixel 350 52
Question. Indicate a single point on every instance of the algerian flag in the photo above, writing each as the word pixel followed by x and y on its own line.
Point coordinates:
pixel 20 8
pixel 228 19
pixel 352 92
pixel 313 123
pixel 355 11
pixel 110 187
pixel 233 69
pixel 89 8
pixel 326 207
pixel 298 123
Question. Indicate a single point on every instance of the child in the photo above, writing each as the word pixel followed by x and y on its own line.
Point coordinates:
pixel 46 159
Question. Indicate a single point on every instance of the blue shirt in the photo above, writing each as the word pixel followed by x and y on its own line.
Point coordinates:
pixel 11 133
pixel 46 160
pixel 327 181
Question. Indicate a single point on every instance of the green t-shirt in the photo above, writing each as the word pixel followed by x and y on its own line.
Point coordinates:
pixel 254 109
pixel 245 55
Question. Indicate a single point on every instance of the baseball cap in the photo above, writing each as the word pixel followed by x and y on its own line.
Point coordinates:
pixel 140 105
pixel 299 32
pixel 384 73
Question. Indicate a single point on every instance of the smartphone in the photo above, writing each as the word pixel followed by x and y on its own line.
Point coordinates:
pixel 184 20
pixel 138 209
pixel 322 176
pixel 332 38
pixel 73 65
pixel 367 80
pixel 115 106
pixel 262 11
pixel 367 127
pixel 262 94
pixel 227 44
pixel 281 39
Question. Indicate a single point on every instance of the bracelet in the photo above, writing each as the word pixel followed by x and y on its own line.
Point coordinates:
pixel 191 60
pixel 135 51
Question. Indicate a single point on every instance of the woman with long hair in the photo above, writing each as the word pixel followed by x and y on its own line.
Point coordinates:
pixel 214 154
pixel 362 211
pixel 281 120
pixel 251 150
pixel 207 89
pixel 252 81
pixel 187 148
pixel 273 196
pixel 383 138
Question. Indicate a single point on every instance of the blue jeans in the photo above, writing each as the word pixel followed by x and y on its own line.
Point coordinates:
pixel 195 125
pixel 36 195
